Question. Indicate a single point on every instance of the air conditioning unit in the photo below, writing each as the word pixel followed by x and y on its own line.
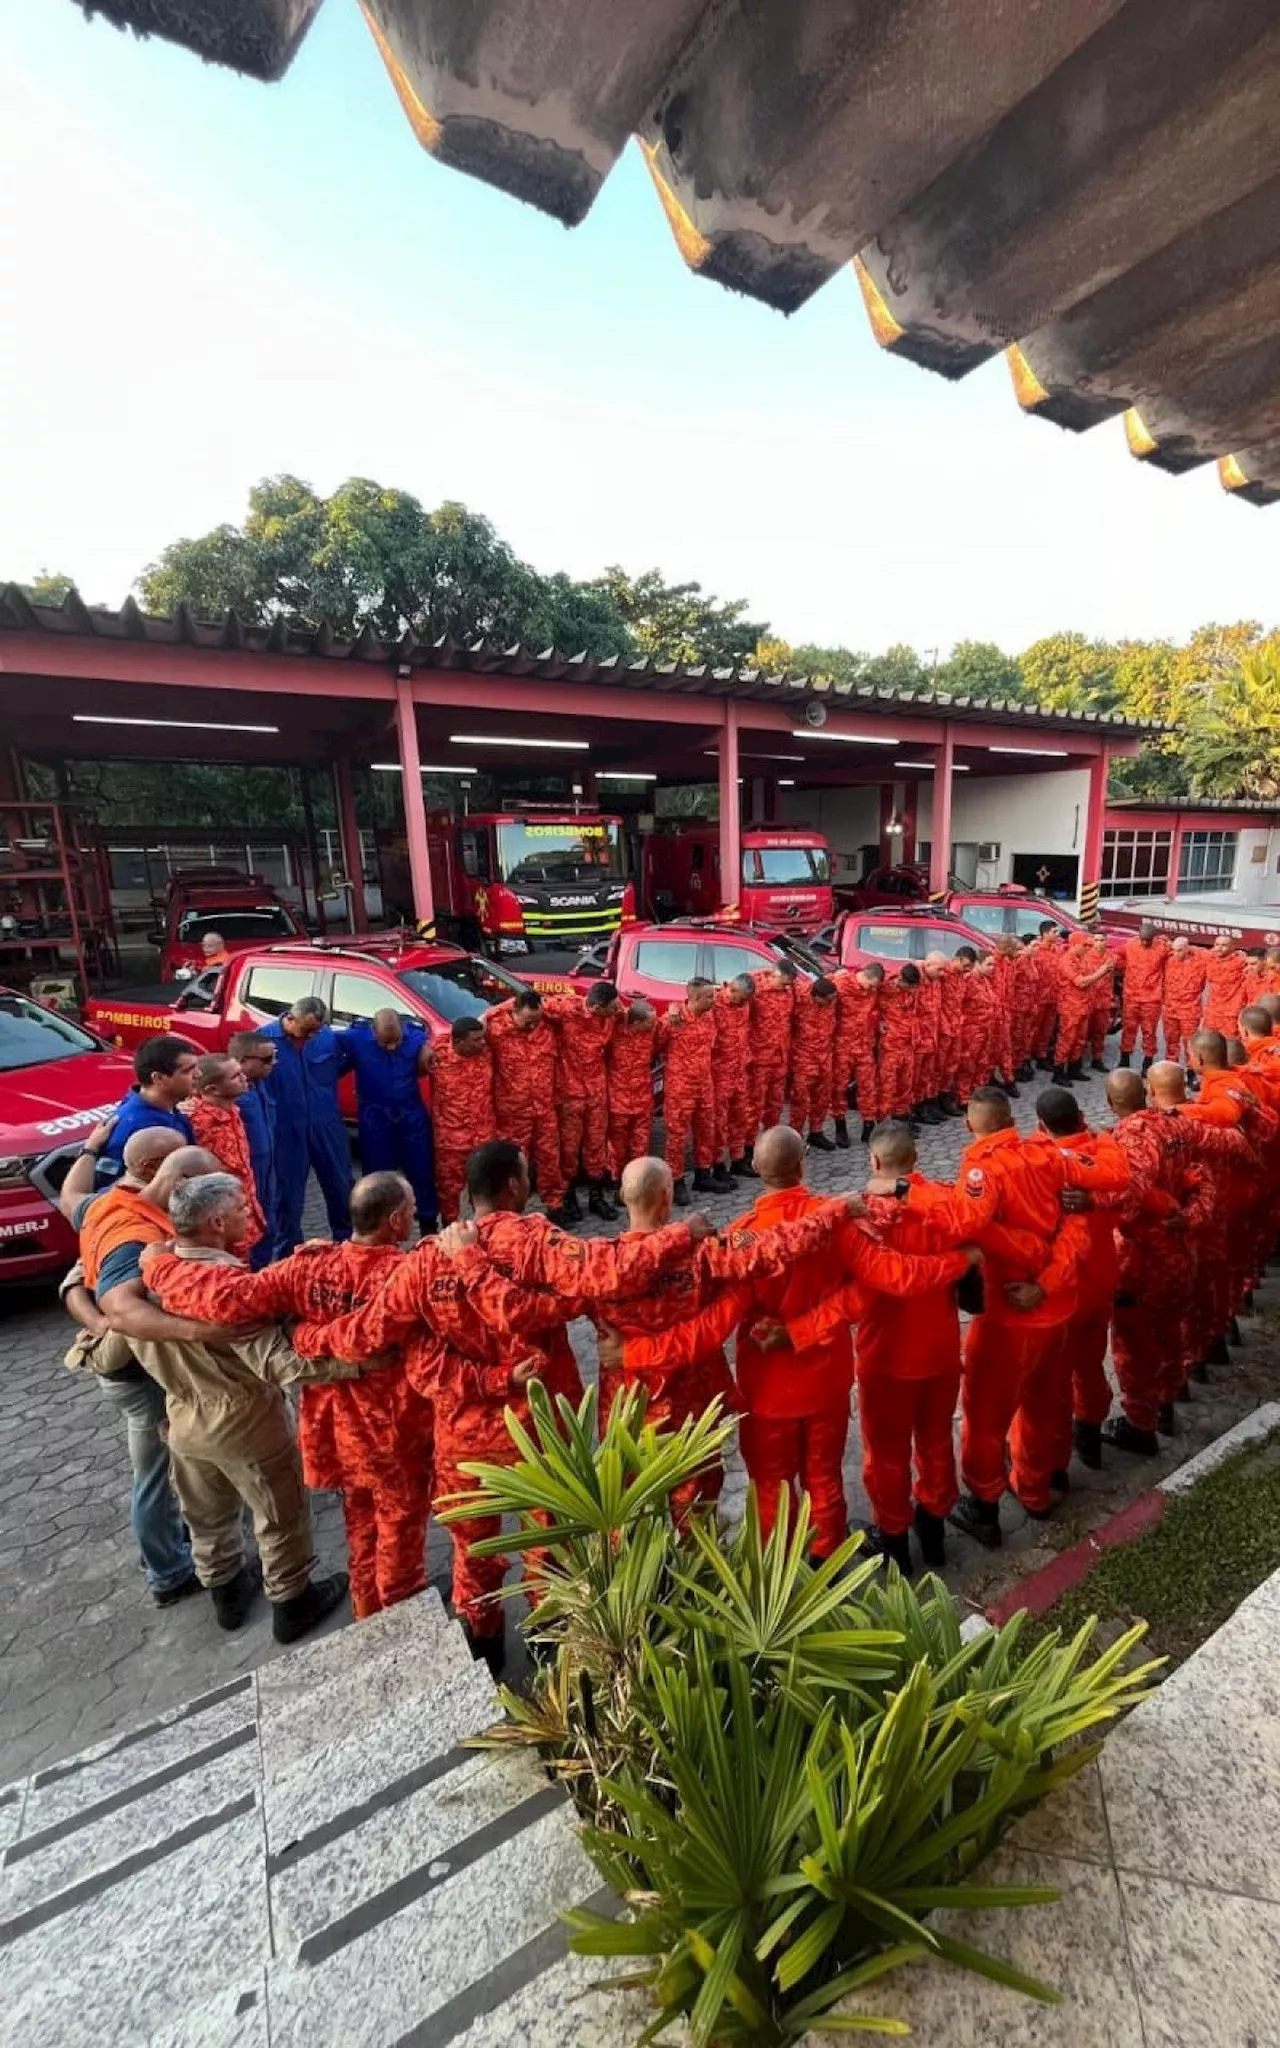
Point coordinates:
pixel 989 850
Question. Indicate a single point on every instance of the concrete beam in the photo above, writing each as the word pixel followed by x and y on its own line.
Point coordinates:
pixel 1236 401
pixel 789 134
pixel 1162 120
pixel 1253 475
pixel 538 100
pixel 258 37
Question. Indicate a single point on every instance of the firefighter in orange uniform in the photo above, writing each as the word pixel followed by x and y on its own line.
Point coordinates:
pixel 855 1054
pixel 1184 979
pixel 771 1008
pixel 367 1439
pixel 1264 975
pixel 978 1022
pixel 214 1115
pixel 1004 973
pixel 1048 952
pixel 929 1081
pixel 636 1043
pixel 585 1026
pixel 1080 973
pixel 1028 1004
pixel 526 1062
pixel 731 1074
pixel 462 1101
pixel 813 1037
pixel 689 1091
pixel 899 1004
pixel 1226 986
pixel 1102 1008
pixel 1144 965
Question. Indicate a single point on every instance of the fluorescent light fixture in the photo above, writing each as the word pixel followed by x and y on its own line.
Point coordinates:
pixel 489 739
pixel 913 764
pixel 713 754
pixel 171 724
pixel 425 767
pixel 786 782
pixel 624 775
pixel 854 739
pixel 1059 753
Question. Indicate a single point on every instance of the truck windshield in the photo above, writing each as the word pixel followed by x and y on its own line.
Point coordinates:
pixel 264 921
pixel 460 988
pixel 578 852
pixel 32 1037
pixel 786 867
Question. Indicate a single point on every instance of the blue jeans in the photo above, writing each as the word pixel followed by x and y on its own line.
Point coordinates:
pixel 153 1514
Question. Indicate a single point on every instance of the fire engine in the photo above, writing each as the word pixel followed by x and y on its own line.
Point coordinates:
pixel 513 881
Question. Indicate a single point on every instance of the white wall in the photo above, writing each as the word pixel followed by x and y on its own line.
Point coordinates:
pixel 849 817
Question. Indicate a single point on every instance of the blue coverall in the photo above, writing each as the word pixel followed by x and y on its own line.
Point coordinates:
pixel 391 1117
pixel 309 1133
pixel 258 1113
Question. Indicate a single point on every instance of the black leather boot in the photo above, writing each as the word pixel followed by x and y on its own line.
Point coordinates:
pixel 293 1619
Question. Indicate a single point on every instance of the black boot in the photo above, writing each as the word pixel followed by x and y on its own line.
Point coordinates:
pixel 842 1133
pixel 570 1210
pixel 1233 1332
pixel 1123 1060
pixel 1246 1305
pixel 293 1619
pixel 233 1599
pixel 742 1169
pixel 490 1650
pixel 1122 1436
pixel 1099 1066
pixel 931 1533
pixel 1027 1071
pixel 952 1105
pixel 601 1203
pixel 1147 1064
pixel 1217 1353
pixel 1062 1077
pixel 1184 1391
pixel 1011 1089
pixel 893 1549
pixel 702 1183
pixel 564 1218
pixel 722 1180
pixel 1087 1440
pixel 1167 1419
pixel 680 1192
pixel 1044 1066
pixel 865 1133
pixel 170 1596
pixel 929 1113
pixel 1075 1072
pixel 820 1142
pixel 1060 1481
pixel 978 1518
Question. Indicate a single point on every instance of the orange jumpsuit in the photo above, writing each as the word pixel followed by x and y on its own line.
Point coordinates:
pixel 813 1032
pixel 1015 1363
pixel 220 1128
pixel 771 1010
pixel 1028 1004
pixel 632 1051
pixel 1048 954
pixel 1184 979
pixel 1263 979
pixel 898 1009
pixel 585 1035
pixel 731 1076
pixel 1102 1003
pixel 977 1034
pixel 1075 1002
pixel 368 1439
pixel 462 1112
pixel 928 1080
pixel 1004 982
pixel 1091 1324
pixel 796 1423
pixel 1143 994
pixel 908 1361
pixel 688 1088
pixel 465 1323
pixel 855 1055
pixel 1226 991
pixel 951 1018
pixel 526 1063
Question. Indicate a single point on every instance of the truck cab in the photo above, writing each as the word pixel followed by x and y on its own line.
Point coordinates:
pixel 784 885
pixel 244 909
pixel 517 881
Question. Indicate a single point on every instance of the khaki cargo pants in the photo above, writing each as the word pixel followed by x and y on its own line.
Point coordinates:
pixel 214 1485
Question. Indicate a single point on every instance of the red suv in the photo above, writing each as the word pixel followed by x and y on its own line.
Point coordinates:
pixel 657 960
pixel 895 936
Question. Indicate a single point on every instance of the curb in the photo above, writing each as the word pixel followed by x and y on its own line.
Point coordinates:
pixel 1038 1592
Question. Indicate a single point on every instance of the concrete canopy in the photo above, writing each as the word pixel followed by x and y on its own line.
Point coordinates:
pixel 1091 185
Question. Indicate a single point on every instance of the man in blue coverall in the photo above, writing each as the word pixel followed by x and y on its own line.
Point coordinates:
pixel 257 1056
pixel 310 1133
pixel 389 1053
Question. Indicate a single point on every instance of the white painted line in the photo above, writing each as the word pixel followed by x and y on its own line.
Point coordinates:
pixel 1260 1424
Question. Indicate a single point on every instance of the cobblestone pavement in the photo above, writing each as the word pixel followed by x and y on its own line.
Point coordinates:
pixel 84 1654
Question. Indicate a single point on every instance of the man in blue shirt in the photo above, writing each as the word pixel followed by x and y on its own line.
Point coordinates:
pixel 257 1056
pixel 388 1054
pixel 303 1085
pixel 164 1070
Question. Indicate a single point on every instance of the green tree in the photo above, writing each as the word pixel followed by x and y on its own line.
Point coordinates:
pixel 898 668
pixel 978 668
pixel 1068 672
pixel 48 586
pixel 679 622
pixel 829 664
pixel 1232 743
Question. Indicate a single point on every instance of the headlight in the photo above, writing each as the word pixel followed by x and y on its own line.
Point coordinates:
pixel 616 895
pixel 527 902
pixel 16 1173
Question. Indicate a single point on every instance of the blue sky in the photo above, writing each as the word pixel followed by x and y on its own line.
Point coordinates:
pixel 212 280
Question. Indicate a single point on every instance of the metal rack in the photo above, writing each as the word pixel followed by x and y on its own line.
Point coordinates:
pixel 55 894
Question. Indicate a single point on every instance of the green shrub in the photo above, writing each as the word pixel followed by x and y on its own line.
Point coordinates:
pixel 783 1768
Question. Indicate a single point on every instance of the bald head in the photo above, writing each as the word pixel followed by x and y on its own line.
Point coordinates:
pixel 1207 1051
pixel 1167 1083
pixel 989 1111
pixel 1271 1004
pixel 1255 1023
pixel 892 1148
pixel 189 1162
pixel 147 1150
pixel 1126 1091
pixel 779 1157
pixel 647 1192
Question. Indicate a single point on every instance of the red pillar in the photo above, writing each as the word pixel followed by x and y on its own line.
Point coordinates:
pixel 415 809
pixel 730 810
pixel 1095 822
pixel 940 828
pixel 888 855
pixel 910 807
pixel 349 831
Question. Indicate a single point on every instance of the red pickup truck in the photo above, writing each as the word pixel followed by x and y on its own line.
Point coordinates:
pixel 432 984
pixel 244 910
pixel 657 960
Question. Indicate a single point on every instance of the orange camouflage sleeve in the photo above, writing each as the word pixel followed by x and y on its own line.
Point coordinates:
pixel 1069 1252
pixel 503 1303
pixel 382 1323
pixel 220 1294
pixel 685 1343
pixel 740 1253
pixel 834 1312
pixel 591 1270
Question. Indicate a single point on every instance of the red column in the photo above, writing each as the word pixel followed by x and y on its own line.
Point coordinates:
pixel 910 803
pixel 415 809
pixel 730 810
pixel 888 857
pixel 349 831
pixel 940 828
pixel 1095 822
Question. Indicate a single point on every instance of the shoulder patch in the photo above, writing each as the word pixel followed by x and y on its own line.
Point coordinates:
pixel 975 1181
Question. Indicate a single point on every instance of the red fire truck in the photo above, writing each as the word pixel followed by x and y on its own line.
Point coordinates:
pixel 512 881
pixel 785 882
